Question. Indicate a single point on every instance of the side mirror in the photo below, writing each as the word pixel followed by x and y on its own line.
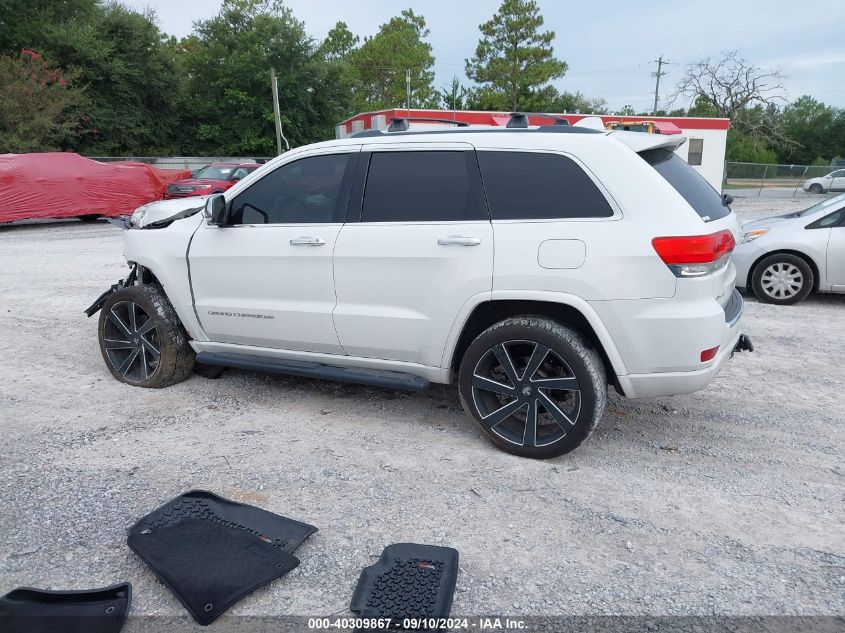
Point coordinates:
pixel 215 210
pixel 727 199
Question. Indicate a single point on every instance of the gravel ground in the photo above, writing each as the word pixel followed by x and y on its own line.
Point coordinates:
pixel 728 501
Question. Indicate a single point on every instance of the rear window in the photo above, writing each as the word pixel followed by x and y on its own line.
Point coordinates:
pixel 689 183
pixel 539 186
pixel 416 187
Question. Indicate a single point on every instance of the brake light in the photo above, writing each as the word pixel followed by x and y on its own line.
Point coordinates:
pixel 695 255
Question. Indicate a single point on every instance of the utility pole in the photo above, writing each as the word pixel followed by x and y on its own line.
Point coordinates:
pixel 659 61
pixel 277 116
pixel 408 90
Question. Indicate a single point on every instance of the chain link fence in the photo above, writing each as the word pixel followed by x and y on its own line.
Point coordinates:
pixel 760 180
pixel 192 163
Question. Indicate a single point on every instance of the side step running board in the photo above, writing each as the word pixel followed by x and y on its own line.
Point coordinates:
pixel 389 379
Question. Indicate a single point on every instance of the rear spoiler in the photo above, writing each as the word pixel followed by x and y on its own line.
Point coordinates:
pixel 640 142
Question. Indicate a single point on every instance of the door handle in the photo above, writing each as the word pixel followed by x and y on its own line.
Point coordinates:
pixel 307 241
pixel 459 240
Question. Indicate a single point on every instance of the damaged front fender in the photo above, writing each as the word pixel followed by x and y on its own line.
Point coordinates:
pixel 94 308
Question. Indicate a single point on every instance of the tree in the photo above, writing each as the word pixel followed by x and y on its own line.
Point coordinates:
pixel 39 104
pixel 572 102
pixel 339 43
pixel 230 105
pixel 24 22
pixel 817 129
pixel 730 84
pixel 514 59
pixel 455 96
pixel 733 88
pixel 127 67
pixel 379 65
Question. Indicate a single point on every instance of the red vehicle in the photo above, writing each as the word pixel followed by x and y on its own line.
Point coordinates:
pixel 213 178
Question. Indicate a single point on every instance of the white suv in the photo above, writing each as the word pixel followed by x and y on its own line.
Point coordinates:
pixel 532 265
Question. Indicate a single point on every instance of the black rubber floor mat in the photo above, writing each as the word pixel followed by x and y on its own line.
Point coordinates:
pixel 212 552
pixel 27 610
pixel 408 581
pixel 282 532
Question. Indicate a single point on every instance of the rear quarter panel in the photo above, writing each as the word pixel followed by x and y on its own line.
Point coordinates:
pixel 619 261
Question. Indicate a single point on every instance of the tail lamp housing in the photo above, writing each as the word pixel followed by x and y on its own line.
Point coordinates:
pixel 695 255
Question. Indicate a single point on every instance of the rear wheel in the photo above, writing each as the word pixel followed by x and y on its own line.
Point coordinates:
pixel 142 340
pixel 782 279
pixel 816 188
pixel 536 388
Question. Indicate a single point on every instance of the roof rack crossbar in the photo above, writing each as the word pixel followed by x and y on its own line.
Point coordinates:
pixel 402 124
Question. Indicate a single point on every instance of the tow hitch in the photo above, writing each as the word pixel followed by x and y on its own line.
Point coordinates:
pixel 98 303
pixel 744 344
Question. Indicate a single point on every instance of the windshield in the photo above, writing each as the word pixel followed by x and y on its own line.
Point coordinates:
pixel 689 183
pixel 215 172
pixel 824 204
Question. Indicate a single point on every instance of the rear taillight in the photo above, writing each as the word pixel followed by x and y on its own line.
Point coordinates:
pixel 695 255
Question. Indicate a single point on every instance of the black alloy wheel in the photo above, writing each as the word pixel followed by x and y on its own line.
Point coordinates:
pixel 131 342
pixel 535 387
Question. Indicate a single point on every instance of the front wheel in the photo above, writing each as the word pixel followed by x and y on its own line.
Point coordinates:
pixel 816 188
pixel 535 387
pixel 142 340
pixel 782 279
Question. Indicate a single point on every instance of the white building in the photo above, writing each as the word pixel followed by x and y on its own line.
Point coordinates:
pixel 704 149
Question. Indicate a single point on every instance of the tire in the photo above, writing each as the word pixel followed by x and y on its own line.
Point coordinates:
pixel 816 188
pixel 782 279
pixel 510 397
pixel 139 353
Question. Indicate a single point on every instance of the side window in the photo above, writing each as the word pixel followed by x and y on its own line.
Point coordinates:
pixel 832 219
pixel 309 190
pixel 537 186
pixel 416 187
pixel 696 150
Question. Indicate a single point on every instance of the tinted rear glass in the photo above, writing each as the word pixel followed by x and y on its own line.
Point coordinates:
pixel 689 183
pixel 538 186
pixel 416 187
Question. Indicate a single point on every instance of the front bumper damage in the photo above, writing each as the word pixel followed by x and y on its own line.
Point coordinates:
pixel 130 280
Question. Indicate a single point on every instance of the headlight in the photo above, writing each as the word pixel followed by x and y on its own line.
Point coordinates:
pixel 750 236
pixel 135 220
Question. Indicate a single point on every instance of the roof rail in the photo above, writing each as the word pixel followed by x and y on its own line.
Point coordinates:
pixel 568 129
pixel 402 124
pixel 520 119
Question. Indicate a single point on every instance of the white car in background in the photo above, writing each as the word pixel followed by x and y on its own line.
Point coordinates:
pixel 785 258
pixel 834 181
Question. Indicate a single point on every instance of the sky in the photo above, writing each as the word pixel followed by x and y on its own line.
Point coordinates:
pixel 609 46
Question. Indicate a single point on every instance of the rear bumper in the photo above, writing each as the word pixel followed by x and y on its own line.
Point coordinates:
pixel 661 342
pixel 677 382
